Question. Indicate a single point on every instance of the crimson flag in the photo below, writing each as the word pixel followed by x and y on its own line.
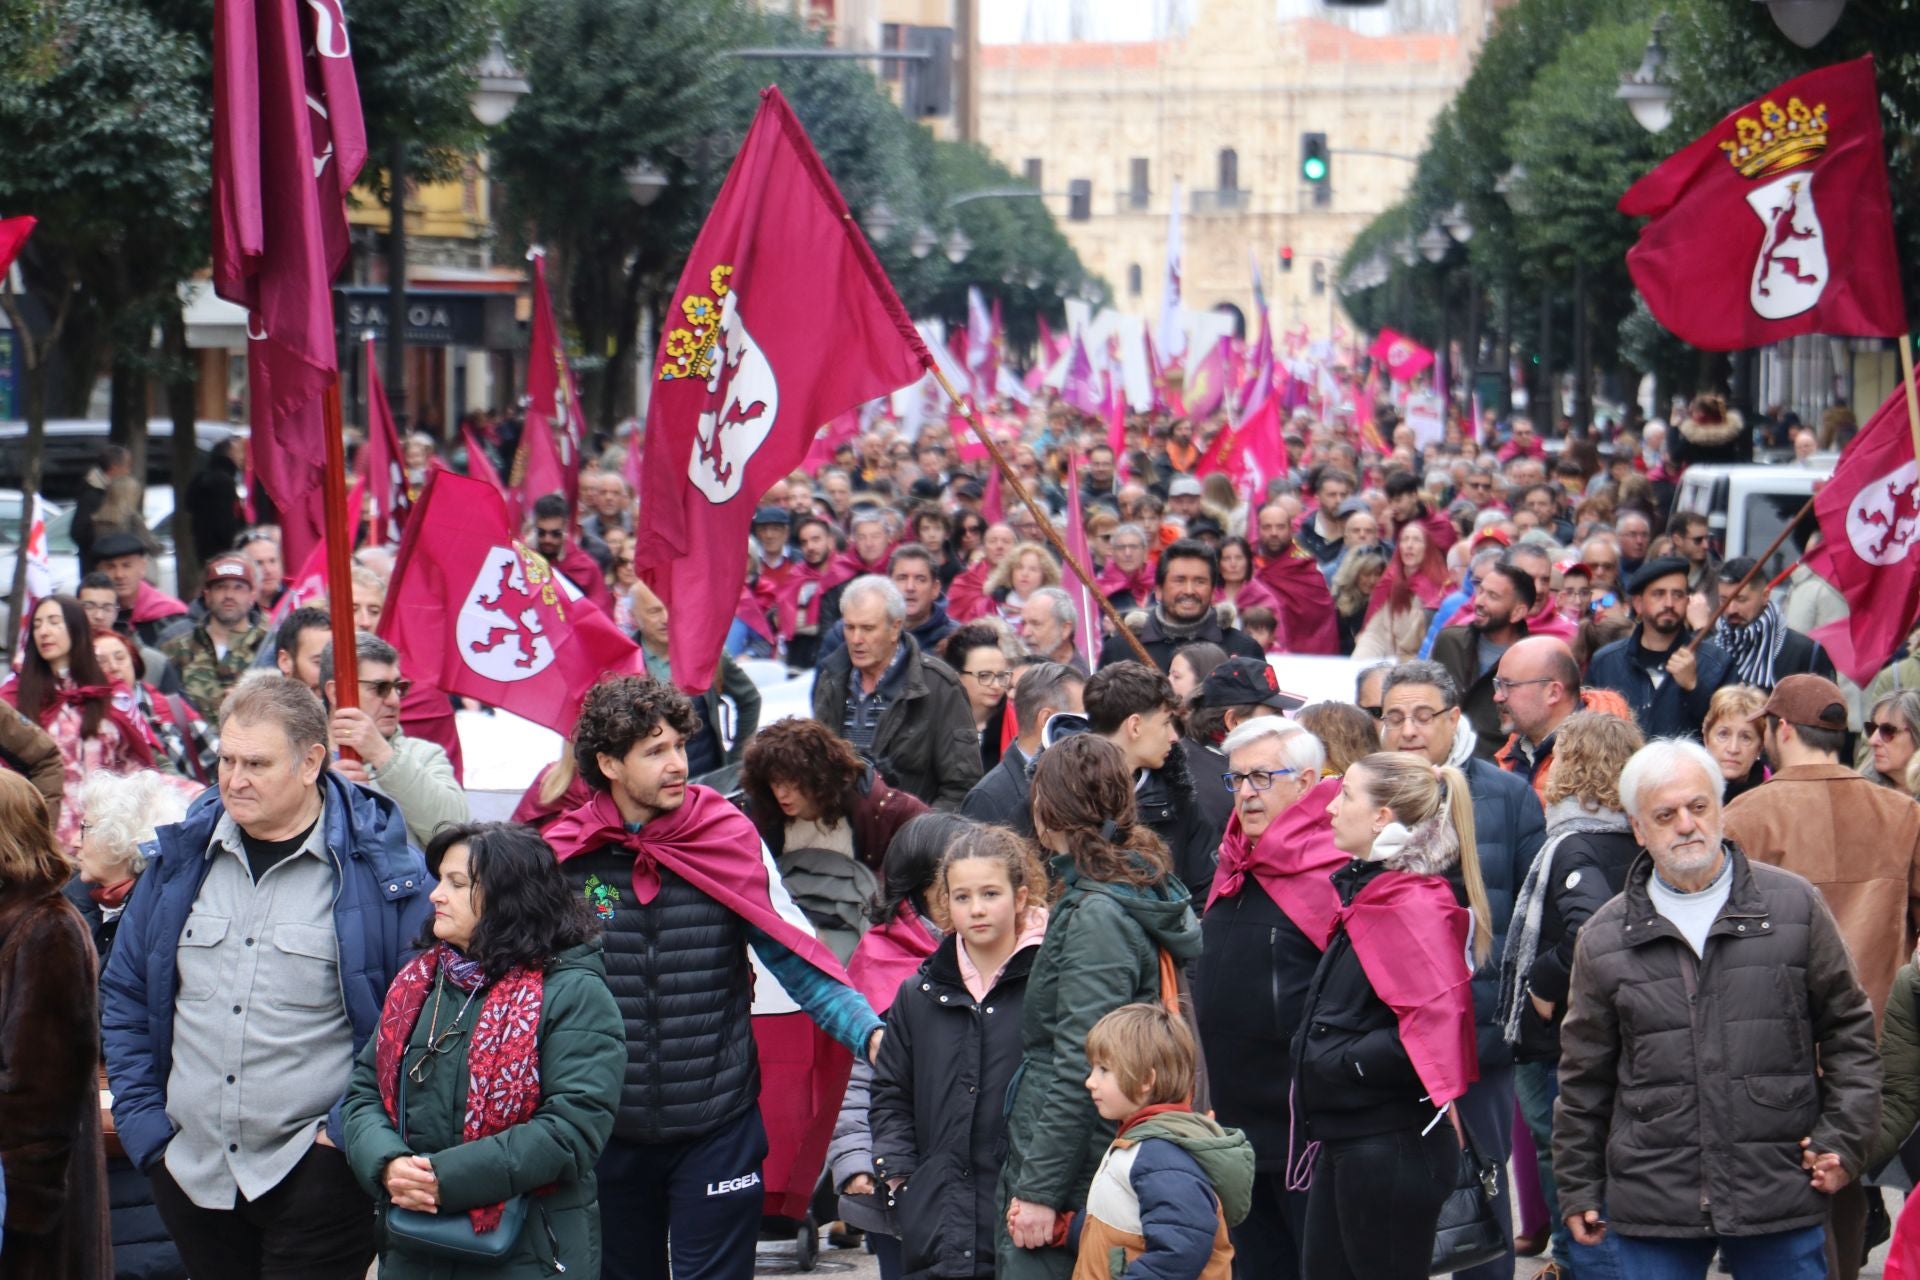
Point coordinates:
pixel 1207 381
pixel 1086 607
pixel 474 612
pixel 1404 358
pixel 383 467
pixel 782 320
pixel 552 436
pixel 479 465
pixel 13 235
pixel 1869 514
pixel 1734 212
pixel 288 143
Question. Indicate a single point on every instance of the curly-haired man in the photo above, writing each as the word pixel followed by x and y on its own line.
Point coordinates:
pixel 683 888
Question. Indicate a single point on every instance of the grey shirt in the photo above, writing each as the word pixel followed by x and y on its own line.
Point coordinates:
pixel 261 1042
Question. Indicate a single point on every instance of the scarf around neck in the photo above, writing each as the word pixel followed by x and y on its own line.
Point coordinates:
pixel 1565 818
pixel 1293 860
pixel 503 1052
pixel 1755 646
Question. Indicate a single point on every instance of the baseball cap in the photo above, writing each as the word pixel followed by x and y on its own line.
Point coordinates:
pixel 1184 487
pixel 118 544
pixel 1814 702
pixel 969 489
pixel 1247 682
pixel 1492 533
pixel 772 515
pixel 228 568
pixel 1565 567
pixel 1202 525
pixel 1654 570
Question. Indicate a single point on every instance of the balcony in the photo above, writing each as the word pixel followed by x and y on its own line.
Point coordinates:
pixel 1226 200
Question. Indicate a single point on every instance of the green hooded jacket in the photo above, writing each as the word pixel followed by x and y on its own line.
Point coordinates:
pixel 1224 1155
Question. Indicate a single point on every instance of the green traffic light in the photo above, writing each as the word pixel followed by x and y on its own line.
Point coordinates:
pixel 1314 168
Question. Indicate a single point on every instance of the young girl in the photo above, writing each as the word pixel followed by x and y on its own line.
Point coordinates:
pixel 951 1049
pixel 903 935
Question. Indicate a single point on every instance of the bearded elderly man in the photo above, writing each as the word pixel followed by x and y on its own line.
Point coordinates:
pixel 1270 917
pixel 1718 1077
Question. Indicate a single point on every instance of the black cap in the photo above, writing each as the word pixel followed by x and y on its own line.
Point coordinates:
pixel 772 515
pixel 1247 682
pixel 925 489
pixel 1654 570
pixel 115 545
pixel 1201 526
pixel 1736 569
pixel 969 489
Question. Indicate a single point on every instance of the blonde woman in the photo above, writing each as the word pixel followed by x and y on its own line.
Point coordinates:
pixel 1731 733
pixel 1027 568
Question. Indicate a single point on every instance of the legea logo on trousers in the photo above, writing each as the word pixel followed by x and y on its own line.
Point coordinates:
pixel 730 1185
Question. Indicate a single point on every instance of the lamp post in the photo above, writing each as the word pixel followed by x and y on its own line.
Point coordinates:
pixel 1805 22
pixel 644 182
pixel 497 89
pixel 958 246
pixel 879 221
pixel 1647 90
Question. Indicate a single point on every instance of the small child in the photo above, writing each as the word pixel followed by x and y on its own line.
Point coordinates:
pixel 1259 623
pixel 1173 1181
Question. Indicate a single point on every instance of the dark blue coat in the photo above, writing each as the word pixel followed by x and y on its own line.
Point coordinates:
pixel 1670 711
pixel 1508 827
pixel 379 912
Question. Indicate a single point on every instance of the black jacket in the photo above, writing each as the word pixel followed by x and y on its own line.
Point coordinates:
pixel 1351 1072
pixel 1161 647
pixel 1668 711
pixel 1216 802
pixel 926 744
pixel 1508 828
pixel 1167 803
pixel 1002 796
pixel 1249 992
pixel 214 498
pixel 938 1110
pixel 1589 867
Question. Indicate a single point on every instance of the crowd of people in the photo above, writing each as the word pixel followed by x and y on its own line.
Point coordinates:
pixel 1597 895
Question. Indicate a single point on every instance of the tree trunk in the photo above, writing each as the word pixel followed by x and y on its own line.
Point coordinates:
pixel 186 451
pixel 127 411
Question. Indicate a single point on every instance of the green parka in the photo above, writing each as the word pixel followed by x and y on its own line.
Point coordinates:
pixel 583 1054
pixel 1102 951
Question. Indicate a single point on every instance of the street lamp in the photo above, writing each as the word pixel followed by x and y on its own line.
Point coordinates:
pixel 1647 91
pixel 879 222
pixel 1456 223
pixel 1433 244
pixel 1512 185
pixel 1805 22
pixel 497 86
pixel 644 182
pixel 1406 251
pixel 925 241
pixel 958 246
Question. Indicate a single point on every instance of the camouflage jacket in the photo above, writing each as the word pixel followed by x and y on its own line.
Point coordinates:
pixel 205 677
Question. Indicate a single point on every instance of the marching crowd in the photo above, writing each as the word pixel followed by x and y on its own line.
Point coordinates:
pixel 1598 896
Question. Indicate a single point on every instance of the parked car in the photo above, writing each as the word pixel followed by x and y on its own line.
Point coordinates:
pixel 73 448
pixel 1746 505
pixel 63 557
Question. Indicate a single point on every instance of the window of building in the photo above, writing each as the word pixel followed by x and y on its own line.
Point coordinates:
pixel 1135 285
pixel 1033 170
pixel 1137 182
pixel 893 37
pixel 1229 169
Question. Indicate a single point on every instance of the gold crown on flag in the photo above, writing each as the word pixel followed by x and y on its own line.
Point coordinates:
pixel 690 350
pixel 1778 140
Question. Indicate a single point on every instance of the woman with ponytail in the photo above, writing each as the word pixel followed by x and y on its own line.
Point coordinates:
pixel 1118 932
pixel 1387 1041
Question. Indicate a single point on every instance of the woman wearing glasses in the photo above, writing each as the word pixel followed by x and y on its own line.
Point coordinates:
pixel 979 654
pixel 1892 730
pixel 502 1050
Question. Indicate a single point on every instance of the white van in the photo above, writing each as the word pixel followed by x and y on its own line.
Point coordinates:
pixel 1746 505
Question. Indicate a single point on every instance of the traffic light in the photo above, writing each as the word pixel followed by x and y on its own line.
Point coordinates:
pixel 1286 257
pixel 1316 160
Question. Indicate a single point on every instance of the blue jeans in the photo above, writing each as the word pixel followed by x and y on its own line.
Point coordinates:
pixel 1785 1255
pixel 1536 1085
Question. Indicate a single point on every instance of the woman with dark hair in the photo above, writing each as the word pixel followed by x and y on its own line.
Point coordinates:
pixel 1121 925
pixel 932 528
pixel 1239 585
pixel 805 788
pixel 190 747
pixel 903 935
pixel 511 991
pixel 979 655
pixel 61 688
pixel 50 1146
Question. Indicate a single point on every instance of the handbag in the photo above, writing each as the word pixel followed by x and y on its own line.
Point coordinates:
pixel 1467 1234
pixel 451 1235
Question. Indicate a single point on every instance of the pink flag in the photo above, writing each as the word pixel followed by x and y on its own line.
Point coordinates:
pixel 1087 628
pixel 782 320
pixel 13 236
pixel 383 468
pixel 1080 389
pixel 991 503
pixel 1207 382
pixel 553 410
pixel 1116 416
pixel 1404 358
pixel 288 143
pixel 479 465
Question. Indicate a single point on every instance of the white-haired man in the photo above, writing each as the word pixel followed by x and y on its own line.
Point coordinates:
pixel 1718 1075
pixel 904 711
pixel 1047 622
pixel 1270 918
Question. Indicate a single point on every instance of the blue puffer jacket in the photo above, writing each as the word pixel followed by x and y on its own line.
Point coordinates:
pixel 1509 827
pixel 1669 711
pixel 381 909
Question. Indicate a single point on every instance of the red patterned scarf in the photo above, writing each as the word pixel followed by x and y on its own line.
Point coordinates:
pixel 503 1053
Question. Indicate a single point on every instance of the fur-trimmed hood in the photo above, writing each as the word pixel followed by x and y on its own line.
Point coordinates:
pixel 1710 435
pixel 1430 849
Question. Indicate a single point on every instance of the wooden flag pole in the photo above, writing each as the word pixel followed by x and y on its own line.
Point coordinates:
pixel 1759 562
pixel 1913 397
pixel 1008 476
pixel 333 492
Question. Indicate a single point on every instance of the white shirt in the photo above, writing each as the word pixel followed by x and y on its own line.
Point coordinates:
pixel 1693 914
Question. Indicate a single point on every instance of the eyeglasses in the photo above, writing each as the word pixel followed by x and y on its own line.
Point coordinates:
pixel 1258 779
pixel 106 609
pixel 1885 731
pixel 991 679
pixel 384 689
pixel 1422 716
pixel 1502 685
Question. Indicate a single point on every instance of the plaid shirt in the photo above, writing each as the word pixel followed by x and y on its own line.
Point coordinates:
pixel 862 719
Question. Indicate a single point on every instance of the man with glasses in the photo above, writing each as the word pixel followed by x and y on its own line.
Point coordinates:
pixel 567 557
pixel 1236 691
pixel 1692 542
pixel 101 604
pixel 1858 842
pixel 1537 689
pixel 1764 649
pixel 1634 528
pixel 1041 691
pixel 1422 717
pixel 1668 681
pixel 412 772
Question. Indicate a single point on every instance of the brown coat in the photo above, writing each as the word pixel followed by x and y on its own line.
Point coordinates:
pixel 56 1175
pixel 1860 845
